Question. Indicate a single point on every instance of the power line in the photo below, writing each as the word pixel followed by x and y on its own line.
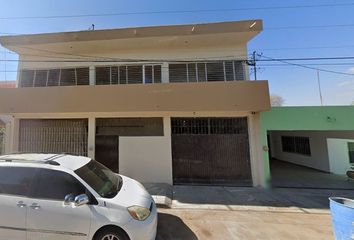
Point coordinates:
pixel 279 28
pixel 307 27
pixel 307 59
pixel 309 64
pixel 179 11
pixel 218 58
pixel 304 48
pixel 305 66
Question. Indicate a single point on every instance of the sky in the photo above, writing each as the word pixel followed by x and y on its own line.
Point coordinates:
pixel 288 33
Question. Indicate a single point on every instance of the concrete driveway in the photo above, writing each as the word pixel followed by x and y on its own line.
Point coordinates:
pixel 190 224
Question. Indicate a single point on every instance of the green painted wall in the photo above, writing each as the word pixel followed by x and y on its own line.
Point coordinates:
pixel 304 118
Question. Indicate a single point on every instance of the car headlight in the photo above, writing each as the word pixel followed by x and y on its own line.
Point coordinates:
pixel 139 213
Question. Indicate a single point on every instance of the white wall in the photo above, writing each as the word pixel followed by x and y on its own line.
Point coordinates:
pixel 318 143
pixel 147 159
pixel 338 155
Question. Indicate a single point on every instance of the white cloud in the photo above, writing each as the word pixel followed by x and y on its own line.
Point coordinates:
pixel 350 70
pixel 345 83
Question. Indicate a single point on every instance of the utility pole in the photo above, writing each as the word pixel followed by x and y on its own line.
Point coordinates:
pixel 253 63
pixel 5 66
pixel 319 86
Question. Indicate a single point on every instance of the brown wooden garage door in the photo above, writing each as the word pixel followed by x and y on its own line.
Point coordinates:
pixel 211 151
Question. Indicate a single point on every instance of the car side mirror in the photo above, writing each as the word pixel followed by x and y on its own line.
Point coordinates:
pixel 81 199
pixel 70 198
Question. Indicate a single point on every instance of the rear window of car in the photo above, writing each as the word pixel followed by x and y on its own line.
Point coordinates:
pixel 16 180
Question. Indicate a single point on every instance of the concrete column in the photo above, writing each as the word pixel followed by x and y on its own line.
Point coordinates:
pixel 165 78
pixel 256 152
pixel 92 75
pixel 14 137
pixel 167 136
pixel 91 137
pixel 8 137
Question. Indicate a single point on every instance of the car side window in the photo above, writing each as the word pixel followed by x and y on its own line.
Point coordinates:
pixel 16 180
pixel 55 185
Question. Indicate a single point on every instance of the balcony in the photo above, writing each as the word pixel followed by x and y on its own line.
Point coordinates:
pixel 169 97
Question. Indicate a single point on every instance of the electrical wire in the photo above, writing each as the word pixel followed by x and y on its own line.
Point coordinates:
pixel 307 27
pixel 179 11
pixel 305 66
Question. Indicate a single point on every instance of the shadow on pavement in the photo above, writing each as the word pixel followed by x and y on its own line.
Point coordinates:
pixel 172 227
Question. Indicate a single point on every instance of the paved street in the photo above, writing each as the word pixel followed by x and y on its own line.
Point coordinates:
pixel 189 224
pixel 199 212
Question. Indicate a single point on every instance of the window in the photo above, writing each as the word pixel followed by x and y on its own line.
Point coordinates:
pixel 106 183
pixel 215 71
pixel 55 185
pixel 68 77
pixel 178 73
pixel 210 71
pixel 103 76
pixel 16 180
pixel 27 77
pixel 209 126
pixel 351 152
pixel 54 77
pixel 295 144
pixel 131 74
pixel 41 78
pixel 152 74
pixel 135 74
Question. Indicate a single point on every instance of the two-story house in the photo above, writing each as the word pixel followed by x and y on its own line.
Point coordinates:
pixel 170 104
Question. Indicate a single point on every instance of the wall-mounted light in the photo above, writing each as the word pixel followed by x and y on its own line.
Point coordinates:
pixel 253 24
pixel 331 119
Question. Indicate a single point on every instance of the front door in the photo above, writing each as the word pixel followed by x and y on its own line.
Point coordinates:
pixel 107 151
pixel 14 188
pixel 48 217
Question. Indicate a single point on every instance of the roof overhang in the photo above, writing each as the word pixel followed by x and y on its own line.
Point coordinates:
pixel 236 32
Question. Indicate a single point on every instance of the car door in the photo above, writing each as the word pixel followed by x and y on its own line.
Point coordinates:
pixel 14 189
pixel 48 217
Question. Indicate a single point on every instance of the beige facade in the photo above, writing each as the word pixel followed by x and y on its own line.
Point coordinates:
pixel 146 158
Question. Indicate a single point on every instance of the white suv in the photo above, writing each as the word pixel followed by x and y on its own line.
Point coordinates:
pixel 58 196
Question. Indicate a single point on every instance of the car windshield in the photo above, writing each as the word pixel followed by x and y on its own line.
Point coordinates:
pixel 105 182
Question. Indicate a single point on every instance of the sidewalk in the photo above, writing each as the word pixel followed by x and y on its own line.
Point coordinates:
pixel 244 198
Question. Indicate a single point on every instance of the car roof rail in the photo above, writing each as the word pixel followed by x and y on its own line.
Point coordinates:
pixel 50 160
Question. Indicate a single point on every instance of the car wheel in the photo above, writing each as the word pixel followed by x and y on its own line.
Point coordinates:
pixel 111 234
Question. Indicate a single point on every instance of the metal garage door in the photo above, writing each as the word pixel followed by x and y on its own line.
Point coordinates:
pixel 211 151
pixel 54 136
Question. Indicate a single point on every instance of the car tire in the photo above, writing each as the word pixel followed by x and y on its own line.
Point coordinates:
pixel 111 234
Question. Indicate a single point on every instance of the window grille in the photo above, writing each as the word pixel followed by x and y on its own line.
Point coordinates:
pixel 295 144
pixel 54 77
pixel 209 71
pixel 209 126
pixel 135 74
pixel 54 136
pixel 130 74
